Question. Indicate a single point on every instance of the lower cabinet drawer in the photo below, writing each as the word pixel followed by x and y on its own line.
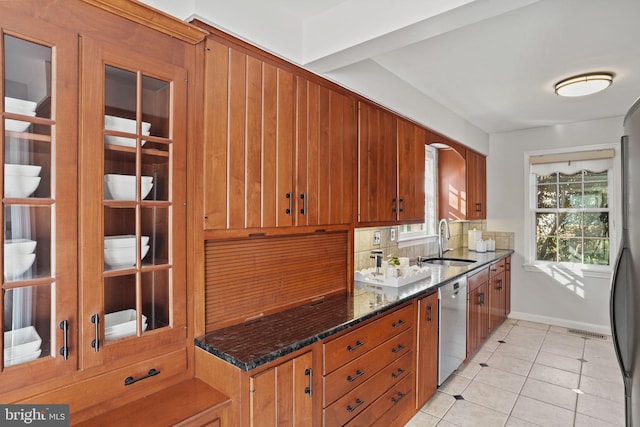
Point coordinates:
pixel 384 407
pixel 360 370
pixel 400 403
pixel 339 351
pixel 357 400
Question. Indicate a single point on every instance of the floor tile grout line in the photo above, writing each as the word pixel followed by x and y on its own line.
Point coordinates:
pixel 519 394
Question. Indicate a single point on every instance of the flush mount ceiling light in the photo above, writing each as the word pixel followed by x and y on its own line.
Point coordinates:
pixel 584 84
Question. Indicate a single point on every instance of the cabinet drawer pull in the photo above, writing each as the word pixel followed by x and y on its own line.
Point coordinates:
pixel 358 374
pixel 398 323
pixel 309 390
pixel 354 407
pixel 303 197
pixel 64 350
pixel 152 373
pixel 397 373
pixel 354 347
pixel 288 210
pixel 398 397
pixel 95 343
pixel 397 349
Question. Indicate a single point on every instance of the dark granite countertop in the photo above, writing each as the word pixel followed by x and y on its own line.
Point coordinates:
pixel 256 342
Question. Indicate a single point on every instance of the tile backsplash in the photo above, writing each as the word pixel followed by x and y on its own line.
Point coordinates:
pixel 364 242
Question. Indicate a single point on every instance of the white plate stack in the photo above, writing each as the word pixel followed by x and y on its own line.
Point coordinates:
pixel 120 251
pixel 21 180
pixel 18 106
pixel 120 324
pixel 21 345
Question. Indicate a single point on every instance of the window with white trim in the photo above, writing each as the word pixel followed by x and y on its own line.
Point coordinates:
pixel 572 199
pixel 428 228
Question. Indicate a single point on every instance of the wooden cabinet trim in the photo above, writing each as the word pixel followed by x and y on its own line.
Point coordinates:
pixel 149 17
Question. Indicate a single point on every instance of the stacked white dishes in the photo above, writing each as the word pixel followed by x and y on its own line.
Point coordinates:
pixel 120 324
pixel 20 180
pixel 123 125
pixel 18 106
pixel 123 187
pixel 120 251
pixel 18 256
pixel 21 345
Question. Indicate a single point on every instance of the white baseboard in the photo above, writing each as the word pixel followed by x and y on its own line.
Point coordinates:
pixel 591 327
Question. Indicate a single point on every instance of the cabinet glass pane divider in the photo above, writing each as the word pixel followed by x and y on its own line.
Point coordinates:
pixel 44 281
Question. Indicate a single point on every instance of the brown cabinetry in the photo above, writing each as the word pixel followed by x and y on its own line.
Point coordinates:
pixel 97 124
pixel 364 370
pixel 326 141
pixel 391 167
pixel 476 180
pixel 279 148
pixel 462 182
pixel 427 349
pixel 249 140
pixel 38 292
pixel 497 294
pixel 282 395
pixel 477 310
pixel 132 203
pixel 411 170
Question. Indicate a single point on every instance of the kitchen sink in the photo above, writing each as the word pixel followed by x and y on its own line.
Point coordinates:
pixel 449 262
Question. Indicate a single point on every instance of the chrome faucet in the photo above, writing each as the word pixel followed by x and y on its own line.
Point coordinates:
pixel 377 255
pixel 447 235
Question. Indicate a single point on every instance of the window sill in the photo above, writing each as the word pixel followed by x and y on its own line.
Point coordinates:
pixel 598 272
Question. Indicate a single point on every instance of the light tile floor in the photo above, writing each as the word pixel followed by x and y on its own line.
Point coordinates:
pixel 531 374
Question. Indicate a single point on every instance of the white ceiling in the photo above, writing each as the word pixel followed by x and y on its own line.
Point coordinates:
pixel 492 63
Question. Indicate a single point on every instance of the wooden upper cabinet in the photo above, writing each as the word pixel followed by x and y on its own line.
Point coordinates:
pixel 38 145
pixel 452 186
pixel 249 140
pixel 132 202
pixel 462 178
pixel 378 159
pixel 411 169
pixel 476 185
pixel 326 140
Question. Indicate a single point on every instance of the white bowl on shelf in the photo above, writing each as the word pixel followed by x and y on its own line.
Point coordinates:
pixel 19 246
pixel 22 170
pixel 123 241
pixel 20 342
pixel 20 186
pixel 17 264
pixel 123 187
pixel 127 179
pixel 23 358
pixel 121 124
pixel 123 257
pixel 19 106
pixel 122 324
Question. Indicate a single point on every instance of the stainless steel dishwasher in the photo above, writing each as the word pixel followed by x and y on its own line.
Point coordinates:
pixel 452 327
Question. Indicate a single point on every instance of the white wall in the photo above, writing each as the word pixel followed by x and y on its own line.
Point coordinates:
pixel 583 302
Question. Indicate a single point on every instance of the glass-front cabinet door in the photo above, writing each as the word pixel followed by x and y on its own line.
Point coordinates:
pixel 38 297
pixel 132 187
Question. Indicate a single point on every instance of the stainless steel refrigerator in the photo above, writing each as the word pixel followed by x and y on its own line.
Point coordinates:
pixel 625 288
